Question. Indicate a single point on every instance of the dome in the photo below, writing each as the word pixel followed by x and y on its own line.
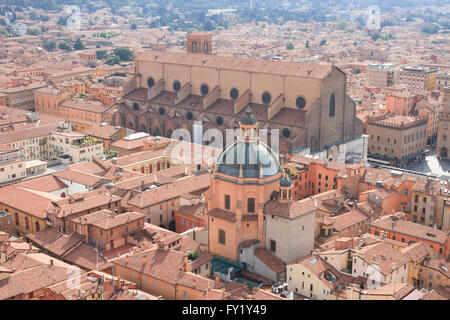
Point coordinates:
pixel 286 182
pixel 251 156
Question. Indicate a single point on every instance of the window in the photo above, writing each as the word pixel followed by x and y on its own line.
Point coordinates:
pixel 221 236
pixel 332 105
pixel 16 215
pixel 161 218
pixel 150 82
pixel 234 93
pixel 273 245
pixel 286 132
pixel 251 205
pixel 300 102
pixel 227 202
pixel 204 89
pixel 182 222
pixel 266 97
pixel 176 85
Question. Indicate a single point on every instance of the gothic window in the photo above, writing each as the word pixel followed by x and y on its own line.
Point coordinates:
pixel 219 120
pixel 194 47
pixel 189 115
pixel 332 105
pixel 136 106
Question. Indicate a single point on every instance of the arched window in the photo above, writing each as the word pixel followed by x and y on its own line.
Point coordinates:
pixel 332 105
pixel 286 132
pixel 27 223
pixel 189 115
pixel 136 106
pixel 444 138
pixel 219 120
pixel 194 47
pixel 16 215
pixel 158 166
pixel 38 227
pixel 205 47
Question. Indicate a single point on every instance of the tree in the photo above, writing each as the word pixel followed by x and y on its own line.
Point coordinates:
pixel 32 32
pixel 290 46
pixel 112 60
pixel 124 53
pixel 78 45
pixel 101 54
pixel 49 45
pixel 65 46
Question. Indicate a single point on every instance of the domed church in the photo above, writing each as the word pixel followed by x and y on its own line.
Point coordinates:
pixel 245 177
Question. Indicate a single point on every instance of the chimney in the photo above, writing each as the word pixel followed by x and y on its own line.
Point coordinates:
pixel 216 277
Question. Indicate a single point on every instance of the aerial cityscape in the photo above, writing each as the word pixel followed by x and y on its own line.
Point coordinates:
pixel 224 150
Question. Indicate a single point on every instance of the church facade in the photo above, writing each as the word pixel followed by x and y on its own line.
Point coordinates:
pixel 306 102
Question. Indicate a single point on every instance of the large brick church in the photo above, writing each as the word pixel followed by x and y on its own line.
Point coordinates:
pixel 306 102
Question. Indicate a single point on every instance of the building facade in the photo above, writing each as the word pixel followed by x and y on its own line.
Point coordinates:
pixel 398 139
pixel 306 102
pixel 443 138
